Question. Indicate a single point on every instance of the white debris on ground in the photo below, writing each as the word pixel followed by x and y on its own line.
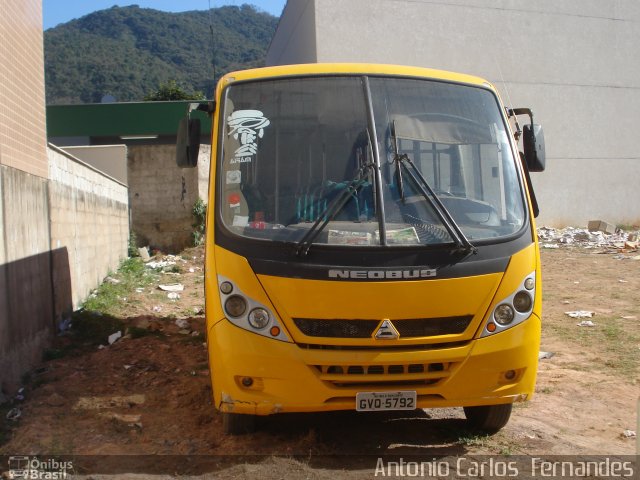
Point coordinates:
pixel 585 323
pixel 174 287
pixel 582 237
pixel 580 314
pixel 160 263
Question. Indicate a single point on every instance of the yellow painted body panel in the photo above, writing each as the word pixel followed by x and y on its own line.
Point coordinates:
pixel 289 378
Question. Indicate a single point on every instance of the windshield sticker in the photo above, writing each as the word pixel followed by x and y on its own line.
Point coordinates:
pixel 234 177
pixel 246 126
pixel 234 200
pixel 343 237
pixel 240 221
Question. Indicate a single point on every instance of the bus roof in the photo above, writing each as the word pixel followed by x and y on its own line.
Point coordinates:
pixel 352 68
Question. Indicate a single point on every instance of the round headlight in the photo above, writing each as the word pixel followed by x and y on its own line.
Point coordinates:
pixel 522 301
pixel 529 283
pixel 235 306
pixel 504 314
pixel 258 318
pixel 226 288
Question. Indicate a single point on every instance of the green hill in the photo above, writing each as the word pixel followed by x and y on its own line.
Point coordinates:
pixel 128 52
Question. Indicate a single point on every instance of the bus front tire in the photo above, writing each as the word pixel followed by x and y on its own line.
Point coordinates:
pixel 237 423
pixel 488 419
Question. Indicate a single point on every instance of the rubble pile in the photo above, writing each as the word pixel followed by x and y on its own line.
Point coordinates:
pixel 618 242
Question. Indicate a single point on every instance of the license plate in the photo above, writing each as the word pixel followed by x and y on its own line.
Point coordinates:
pixel 383 401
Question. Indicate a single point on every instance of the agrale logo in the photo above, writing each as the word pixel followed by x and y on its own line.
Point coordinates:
pixel 386 331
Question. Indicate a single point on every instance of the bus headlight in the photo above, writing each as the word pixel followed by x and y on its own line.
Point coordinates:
pixel 504 314
pixel 258 318
pixel 251 315
pixel 514 309
pixel 522 301
pixel 235 306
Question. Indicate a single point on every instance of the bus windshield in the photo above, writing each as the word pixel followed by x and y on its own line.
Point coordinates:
pixel 323 153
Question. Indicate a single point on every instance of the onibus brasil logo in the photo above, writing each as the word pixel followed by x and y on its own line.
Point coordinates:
pixel 25 467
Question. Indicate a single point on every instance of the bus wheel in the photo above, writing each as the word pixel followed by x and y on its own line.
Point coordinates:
pixel 237 423
pixel 488 419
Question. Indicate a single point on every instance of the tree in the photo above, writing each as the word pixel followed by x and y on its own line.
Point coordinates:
pixel 172 91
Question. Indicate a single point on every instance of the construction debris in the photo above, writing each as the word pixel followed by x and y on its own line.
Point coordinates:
pixel 14 414
pixel 586 323
pixel 174 287
pixel 601 226
pixel 612 241
pixel 181 323
pixel 144 254
pixel 580 314
pixel 114 337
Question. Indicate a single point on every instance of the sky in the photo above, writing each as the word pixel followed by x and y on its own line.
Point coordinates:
pixel 55 12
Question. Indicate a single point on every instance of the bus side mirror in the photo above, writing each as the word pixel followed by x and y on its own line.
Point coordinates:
pixel 533 142
pixel 188 142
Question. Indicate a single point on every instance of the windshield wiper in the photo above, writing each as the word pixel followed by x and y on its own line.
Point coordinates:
pixel 333 208
pixel 454 230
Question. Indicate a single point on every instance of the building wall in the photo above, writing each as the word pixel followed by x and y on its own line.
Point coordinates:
pixel 295 41
pixel 110 159
pixel 570 61
pixel 89 215
pixel 26 303
pixel 22 104
pixel 162 196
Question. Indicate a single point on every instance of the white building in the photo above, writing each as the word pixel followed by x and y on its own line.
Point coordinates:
pixel 575 63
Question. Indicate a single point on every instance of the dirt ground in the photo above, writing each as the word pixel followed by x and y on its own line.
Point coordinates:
pixel 150 395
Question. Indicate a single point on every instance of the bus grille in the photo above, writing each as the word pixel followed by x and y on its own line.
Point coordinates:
pixel 407 328
pixel 402 375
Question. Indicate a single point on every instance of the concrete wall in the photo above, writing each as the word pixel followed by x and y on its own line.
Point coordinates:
pixel 89 215
pixel 162 196
pixel 110 159
pixel 60 238
pixel 26 302
pixel 572 62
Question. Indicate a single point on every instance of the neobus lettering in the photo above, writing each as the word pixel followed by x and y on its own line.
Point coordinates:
pixel 383 274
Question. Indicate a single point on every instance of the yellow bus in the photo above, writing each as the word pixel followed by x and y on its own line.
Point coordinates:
pixel 370 243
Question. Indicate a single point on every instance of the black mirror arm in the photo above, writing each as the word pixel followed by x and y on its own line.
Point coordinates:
pixel 514 112
pixel 207 108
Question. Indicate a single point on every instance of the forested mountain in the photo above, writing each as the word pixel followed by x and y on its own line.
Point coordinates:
pixel 128 52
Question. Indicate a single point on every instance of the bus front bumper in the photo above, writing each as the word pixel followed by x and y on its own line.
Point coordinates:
pixel 252 374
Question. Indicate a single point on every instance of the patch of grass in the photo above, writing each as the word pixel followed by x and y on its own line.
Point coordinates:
pixel 199 212
pixel 615 345
pixel 474 440
pixel 506 450
pixel 107 299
